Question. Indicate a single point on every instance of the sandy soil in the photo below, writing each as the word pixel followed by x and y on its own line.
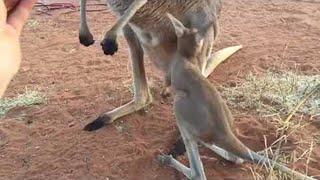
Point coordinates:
pixel 46 141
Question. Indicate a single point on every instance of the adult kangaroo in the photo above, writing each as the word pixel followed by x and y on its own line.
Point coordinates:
pixel 201 114
pixel 148 31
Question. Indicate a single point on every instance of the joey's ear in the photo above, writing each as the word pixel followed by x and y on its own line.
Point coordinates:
pixel 178 26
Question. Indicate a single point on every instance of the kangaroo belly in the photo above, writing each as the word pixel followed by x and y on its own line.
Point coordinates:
pixel 154 30
pixel 192 115
pixel 119 6
pixel 198 104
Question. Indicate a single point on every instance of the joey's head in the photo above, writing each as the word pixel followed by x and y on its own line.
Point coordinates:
pixel 189 41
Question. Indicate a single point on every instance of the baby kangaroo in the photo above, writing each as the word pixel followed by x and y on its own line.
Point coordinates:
pixel 202 115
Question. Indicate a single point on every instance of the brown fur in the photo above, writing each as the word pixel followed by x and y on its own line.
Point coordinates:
pixel 150 32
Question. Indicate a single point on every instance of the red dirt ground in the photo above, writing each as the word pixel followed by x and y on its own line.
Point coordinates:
pixel 46 141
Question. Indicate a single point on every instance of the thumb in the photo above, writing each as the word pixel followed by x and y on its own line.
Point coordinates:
pixel 3 13
pixel 20 14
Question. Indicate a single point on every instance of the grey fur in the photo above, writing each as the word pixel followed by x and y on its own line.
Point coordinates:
pixel 202 115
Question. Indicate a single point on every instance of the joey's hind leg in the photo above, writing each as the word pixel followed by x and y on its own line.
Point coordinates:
pixel 142 96
pixel 223 153
pixel 196 171
pixel 168 160
pixel 178 149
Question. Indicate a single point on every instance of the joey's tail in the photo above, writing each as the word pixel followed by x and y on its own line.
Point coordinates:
pixel 256 158
pixel 234 145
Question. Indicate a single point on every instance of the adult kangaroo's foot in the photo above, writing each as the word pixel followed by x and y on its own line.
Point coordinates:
pixel 111 116
pixel 142 95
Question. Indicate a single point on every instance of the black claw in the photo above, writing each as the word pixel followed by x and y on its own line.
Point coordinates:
pixel 109 46
pixel 86 40
pixel 97 124
pixel 178 148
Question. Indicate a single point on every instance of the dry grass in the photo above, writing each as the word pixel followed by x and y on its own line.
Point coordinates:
pixel 275 94
pixel 274 152
pixel 26 99
pixel 280 97
pixel 33 23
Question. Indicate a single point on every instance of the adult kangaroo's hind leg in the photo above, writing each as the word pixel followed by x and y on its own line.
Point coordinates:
pixel 85 36
pixel 142 96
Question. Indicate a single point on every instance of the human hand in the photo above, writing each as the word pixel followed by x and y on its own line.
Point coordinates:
pixel 10 30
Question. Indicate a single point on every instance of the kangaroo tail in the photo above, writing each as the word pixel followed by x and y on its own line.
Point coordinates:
pixel 236 147
pixel 256 158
